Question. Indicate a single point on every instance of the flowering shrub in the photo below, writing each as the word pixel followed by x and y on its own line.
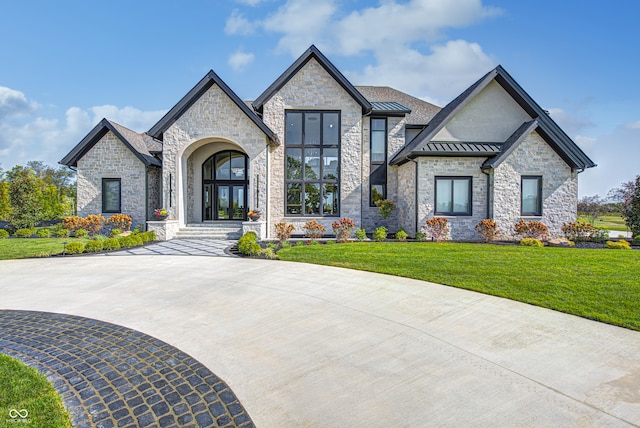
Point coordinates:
pixel 342 228
pixel 488 228
pixel 73 223
pixel 531 229
pixel 120 221
pixel 437 228
pixel 94 223
pixel 313 229
pixel 386 207
pixel 284 230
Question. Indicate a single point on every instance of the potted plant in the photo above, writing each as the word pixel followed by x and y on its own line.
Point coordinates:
pixel 254 215
pixel 161 214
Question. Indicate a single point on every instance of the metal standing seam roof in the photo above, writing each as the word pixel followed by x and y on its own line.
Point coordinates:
pixel 448 148
pixel 389 108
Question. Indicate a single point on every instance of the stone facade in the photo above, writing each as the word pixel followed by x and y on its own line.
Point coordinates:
pixel 312 88
pixel 110 158
pixel 559 186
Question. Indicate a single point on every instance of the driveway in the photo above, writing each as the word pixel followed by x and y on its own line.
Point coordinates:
pixel 304 345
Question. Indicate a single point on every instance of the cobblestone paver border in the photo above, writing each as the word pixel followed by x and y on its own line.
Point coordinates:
pixel 112 376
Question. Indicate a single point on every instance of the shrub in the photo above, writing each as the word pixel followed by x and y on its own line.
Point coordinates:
pixel 126 241
pixel 380 234
pixel 386 207
pixel 94 223
pixel 361 234
pixel 286 244
pixel 93 246
pixel 342 228
pixel 137 240
pixel 74 223
pixel 420 236
pixel 74 248
pixel 148 236
pixel 619 245
pixel 120 221
pixel 110 244
pixel 401 235
pixel 284 230
pixel 268 253
pixel 313 229
pixel 244 243
pixel 488 228
pixel 43 233
pixel 80 233
pixel 578 231
pixel 531 229
pixel 4 234
pixel 62 233
pixel 24 232
pixel 600 235
pixel 634 241
pixel 437 228
pixel 115 232
pixel 531 242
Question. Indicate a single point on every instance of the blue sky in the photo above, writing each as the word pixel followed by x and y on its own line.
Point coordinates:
pixel 67 64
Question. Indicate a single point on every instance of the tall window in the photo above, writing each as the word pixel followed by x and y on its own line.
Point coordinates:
pixel 111 195
pixel 453 196
pixel 531 192
pixel 378 171
pixel 312 152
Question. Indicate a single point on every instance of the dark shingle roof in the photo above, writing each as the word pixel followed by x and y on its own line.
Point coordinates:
pixel 312 52
pixel 141 145
pixel 553 134
pixel 194 94
pixel 421 111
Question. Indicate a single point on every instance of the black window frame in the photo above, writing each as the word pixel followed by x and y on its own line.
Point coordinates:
pixel 452 178
pixel 538 212
pixel 104 195
pixel 377 169
pixel 321 181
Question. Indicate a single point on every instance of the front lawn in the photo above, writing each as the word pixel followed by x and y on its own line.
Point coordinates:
pixel 20 248
pixel 598 284
pixel 608 222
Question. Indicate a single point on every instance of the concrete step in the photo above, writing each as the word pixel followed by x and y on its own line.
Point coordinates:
pixel 216 230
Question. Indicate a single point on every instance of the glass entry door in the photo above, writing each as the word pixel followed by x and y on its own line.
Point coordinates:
pixel 224 184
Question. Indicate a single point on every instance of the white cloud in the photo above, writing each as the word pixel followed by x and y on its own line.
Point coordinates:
pixel 571 124
pixel 14 102
pixel 238 24
pixel 250 2
pixel 634 125
pixel 240 60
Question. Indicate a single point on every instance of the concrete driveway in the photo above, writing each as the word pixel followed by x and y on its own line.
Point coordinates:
pixel 312 346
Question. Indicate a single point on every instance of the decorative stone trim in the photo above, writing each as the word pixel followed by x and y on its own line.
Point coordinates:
pixel 259 227
pixel 165 230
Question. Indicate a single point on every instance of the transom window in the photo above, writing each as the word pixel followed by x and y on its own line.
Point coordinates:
pixel 453 196
pixel 312 164
pixel 531 191
pixel 111 195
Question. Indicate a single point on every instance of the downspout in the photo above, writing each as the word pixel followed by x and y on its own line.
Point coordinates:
pixel 489 186
pixel 146 196
pixel 416 193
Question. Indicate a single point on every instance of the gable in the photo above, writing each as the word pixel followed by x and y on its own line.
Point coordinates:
pixel 491 116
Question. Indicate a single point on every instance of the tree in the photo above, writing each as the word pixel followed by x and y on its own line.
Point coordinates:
pixel 5 204
pixel 628 196
pixel 591 207
pixel 25 196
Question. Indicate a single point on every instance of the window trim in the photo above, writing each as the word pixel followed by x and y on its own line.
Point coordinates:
pixel 435 195
pixel 104 194
pixel 538 212
pixel 321 146
pixel 374 166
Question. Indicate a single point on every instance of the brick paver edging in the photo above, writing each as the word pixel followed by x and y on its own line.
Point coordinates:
pixel 113 376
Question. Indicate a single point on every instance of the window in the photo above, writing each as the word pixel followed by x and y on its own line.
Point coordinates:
pixel 378 170
pixel 531 191
pixel 453 196
pixel 312 162
pixel 111 195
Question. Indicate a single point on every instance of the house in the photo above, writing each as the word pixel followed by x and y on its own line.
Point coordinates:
pixel 314 146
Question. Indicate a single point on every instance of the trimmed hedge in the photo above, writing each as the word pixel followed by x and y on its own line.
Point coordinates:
pixel 74 248
pixel 110 244
pixel 619 245
pixel 531 242
pixel 4 234
pixel 93 246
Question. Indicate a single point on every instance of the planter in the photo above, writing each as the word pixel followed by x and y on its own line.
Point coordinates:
pixel 161 217
pixel 254 217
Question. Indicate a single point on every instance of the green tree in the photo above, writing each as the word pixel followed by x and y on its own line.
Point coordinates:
pixel 628 195
pixel 5 204
pixel 25 197
pixel 590 207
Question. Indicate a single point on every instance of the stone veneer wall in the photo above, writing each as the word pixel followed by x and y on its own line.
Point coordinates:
pixel 214 117
pixel 559 186
pixel 406 207
pixel 154 190
pixel 461 227
pixel 312 88
pixel 110 158
pixel 371 217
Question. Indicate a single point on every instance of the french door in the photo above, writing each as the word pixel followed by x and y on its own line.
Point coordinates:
pixel 224 184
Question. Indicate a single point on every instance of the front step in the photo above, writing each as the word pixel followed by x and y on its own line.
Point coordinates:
pixel 214 230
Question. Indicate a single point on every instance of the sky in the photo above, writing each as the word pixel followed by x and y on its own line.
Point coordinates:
pixel 64 65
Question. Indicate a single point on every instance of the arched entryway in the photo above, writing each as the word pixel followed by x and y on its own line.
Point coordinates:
pixel 225 182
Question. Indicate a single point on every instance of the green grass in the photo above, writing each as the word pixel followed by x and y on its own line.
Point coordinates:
pixel 20 248
pixel 607 222
pixel 23 388
pixel 597 284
